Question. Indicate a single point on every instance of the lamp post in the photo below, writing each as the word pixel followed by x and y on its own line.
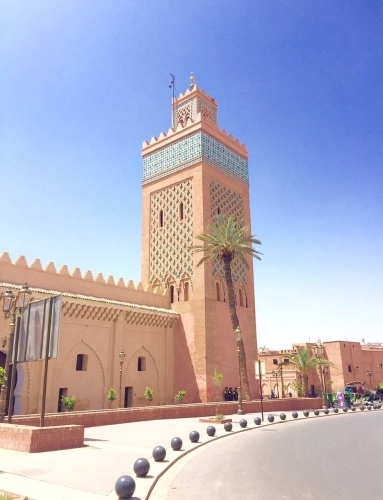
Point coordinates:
pixel 122 357
pixel 369 373
pixel 275 374
pixel 238 337
pixel 319 355
pixel 281 364
pixel 12 306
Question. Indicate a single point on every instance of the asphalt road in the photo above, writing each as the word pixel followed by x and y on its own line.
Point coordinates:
pixel 325 458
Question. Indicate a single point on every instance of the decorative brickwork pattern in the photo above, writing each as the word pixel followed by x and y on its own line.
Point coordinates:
pixel 170 259
pixel 207 111
pixel 227 202
pixel 188 151
pixel 183 112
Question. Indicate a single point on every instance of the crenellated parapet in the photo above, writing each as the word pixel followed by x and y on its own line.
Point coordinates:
pixel 187 126
pixel 52 277
pixel 193 138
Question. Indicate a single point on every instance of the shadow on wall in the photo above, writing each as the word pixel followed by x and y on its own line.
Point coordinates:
pixel 184 377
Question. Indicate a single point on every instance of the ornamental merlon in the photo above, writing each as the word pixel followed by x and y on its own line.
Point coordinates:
pixel 200 123
pixel 194 110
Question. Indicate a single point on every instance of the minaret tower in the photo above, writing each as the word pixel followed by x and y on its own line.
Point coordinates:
pixel 191 174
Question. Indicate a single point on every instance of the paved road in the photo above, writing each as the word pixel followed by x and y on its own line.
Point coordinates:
pixel 326 458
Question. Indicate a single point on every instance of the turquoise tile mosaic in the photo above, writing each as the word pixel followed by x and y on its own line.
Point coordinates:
pixel 189 150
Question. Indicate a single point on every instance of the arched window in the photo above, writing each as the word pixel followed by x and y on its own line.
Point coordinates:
pixel 186 291
pixel 181 211
pixel 240 297
pixel 218 292
pixel 81 362
pixel 171 294
pixel 141 364
pixel 161 218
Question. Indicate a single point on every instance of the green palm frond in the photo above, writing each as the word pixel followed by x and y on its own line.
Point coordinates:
pixel 225 238
pixel 303 362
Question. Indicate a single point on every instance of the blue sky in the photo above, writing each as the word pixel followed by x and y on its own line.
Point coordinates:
pixel 83 84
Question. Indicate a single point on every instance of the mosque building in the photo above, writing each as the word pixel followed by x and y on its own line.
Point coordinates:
pixel 174 326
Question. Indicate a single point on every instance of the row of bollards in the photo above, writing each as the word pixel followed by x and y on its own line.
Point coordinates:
pixel 125 485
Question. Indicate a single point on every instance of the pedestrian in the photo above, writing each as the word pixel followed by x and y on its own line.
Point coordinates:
pixel 235 395
pixel 230 394
pixel 272 395
pixel 340 398
pixel 225 394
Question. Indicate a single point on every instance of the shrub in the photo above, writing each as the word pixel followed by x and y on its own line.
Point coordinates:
pixel 148 394
pixel 3 378
pixel 179 396
pixel 112 395
pixel 69 402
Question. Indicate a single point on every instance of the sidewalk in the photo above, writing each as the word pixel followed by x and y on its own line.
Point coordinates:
pixel 90 473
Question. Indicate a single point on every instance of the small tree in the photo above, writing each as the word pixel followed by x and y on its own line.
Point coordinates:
pixel 179 396
pixel 69 402
pixel 112 395
pixel 148 394
pixel 217 381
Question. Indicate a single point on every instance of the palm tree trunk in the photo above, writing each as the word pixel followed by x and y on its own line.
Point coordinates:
pixel 235 323
pixel 305 385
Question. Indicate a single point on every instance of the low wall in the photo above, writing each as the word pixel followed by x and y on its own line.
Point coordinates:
pixel 94 418
pixel 36 439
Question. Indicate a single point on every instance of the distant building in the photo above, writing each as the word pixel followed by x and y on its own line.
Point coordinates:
pixel 353 362
pixel 174 326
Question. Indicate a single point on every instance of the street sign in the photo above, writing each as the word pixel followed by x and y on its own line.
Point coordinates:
pixel 39 321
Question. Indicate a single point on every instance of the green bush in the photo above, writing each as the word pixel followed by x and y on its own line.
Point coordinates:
pixel 112 395
pixel 148 394
pixel 3 378
pixel 179 396
pixel 69 402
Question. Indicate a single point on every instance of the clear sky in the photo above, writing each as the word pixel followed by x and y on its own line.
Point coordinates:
pixel 84 83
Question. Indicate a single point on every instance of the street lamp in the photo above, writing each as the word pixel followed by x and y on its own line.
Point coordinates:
pixel 122 357
pixel 369 373
pixel 275 374
pixel 238 337
pixel 280 365
pixel 12 306
pixel 319 355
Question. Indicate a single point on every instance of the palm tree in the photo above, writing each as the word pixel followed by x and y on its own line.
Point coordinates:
pixel 224 240
pixel 304 363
